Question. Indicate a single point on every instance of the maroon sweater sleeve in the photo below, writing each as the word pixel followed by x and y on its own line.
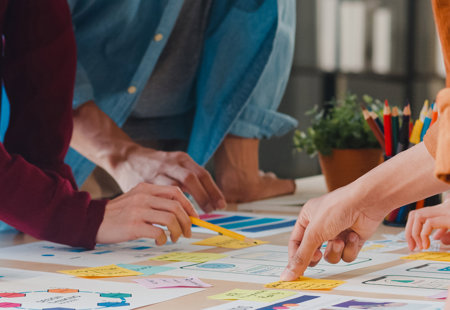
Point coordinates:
pixel 38 194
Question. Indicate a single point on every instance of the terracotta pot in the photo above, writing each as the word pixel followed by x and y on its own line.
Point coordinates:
pixel 344 166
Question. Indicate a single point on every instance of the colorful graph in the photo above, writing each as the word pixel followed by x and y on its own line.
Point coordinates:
pixel 250 224
pixel 58 298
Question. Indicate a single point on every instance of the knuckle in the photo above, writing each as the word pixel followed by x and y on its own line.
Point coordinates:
pixel 297 260
pixel 443 95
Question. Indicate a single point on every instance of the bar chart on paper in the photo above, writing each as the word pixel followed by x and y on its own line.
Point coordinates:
pixel 249 224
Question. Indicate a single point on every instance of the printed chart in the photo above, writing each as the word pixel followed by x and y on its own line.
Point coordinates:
pixel 419 278
pixel 103 254
pixel 249 224
pixel 51 293
pixel 331 302
pixel 264 264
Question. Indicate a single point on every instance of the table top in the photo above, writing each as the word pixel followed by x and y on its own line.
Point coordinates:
pixel 199 300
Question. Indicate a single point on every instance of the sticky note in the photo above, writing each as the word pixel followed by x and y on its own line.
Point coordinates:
pixel 194 257
pixel 146 270
pixel 436 256
pixel 253 295
pixel 228 242
pixel 305 283
pixel 102 272
pixel 153 283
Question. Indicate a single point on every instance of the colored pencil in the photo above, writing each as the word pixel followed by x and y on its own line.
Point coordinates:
pixel 435 115
pixel 220 230
pixel 426 124
pixel 395 130
pixel 373 126
pixel 403 139
pixel 387 129
pixel 377 120
pixel 418 125
pixel 420 204
pixel 393 215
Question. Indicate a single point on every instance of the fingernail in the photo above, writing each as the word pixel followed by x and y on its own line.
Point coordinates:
pixel 221 204
pixel 353 238
pixel 287 275
pixel 337 247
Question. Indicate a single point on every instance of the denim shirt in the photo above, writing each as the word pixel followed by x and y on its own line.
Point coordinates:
pixel 243 72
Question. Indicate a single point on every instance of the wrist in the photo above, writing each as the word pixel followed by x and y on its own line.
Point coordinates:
pixel 113 157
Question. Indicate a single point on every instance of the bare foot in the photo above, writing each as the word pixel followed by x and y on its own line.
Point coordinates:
pixel 238 175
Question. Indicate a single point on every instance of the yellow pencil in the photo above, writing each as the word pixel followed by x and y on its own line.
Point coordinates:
pixel 220 230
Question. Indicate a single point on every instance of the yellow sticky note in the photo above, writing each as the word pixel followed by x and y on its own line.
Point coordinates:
pixel 253 295
pixel 305 283
pixel 102 272
pixel 437 256
pixel 228 242
pixel 194 257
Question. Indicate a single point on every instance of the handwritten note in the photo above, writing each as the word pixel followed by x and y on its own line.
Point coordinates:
pixel 172 282
pixel 253 295
pixel 146 270
pixel 102 272
pixel 436 256
pixel 228 242
pixel 305 283
pixel 194 257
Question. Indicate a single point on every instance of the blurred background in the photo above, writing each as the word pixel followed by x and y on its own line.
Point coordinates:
pixel 388 49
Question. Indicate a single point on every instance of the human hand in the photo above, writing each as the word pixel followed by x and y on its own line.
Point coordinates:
pixel 168 168
pixel 339 218
pixel 133 215
pixel 421 224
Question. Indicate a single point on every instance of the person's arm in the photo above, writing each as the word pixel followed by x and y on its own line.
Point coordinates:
pixel 99 139
pixel 37 191
pixel 350 215
pixel 36 188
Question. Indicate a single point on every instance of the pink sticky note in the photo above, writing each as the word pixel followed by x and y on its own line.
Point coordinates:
pixel 440 295
pixel 171 282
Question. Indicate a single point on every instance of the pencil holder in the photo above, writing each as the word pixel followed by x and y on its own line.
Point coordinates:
pixel 399 216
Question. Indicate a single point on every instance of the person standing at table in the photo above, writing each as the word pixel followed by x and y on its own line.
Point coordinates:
pixel 38 194
pixel 348 216
pixel 198 74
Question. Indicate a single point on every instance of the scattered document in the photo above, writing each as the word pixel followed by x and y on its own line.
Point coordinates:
pixel 102 272
pixel 305 283
pixel 440 295
pixel 416 278
pixel 253 295
pixel 194 257
pixel 73 293
pixel 145 269
pixel 153 283
pixel 228 242
pixel 250 225
pixel 103 254
pixel 316 301
pixel 12 274
pixel 265 263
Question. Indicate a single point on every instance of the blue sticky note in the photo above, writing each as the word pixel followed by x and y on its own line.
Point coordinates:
pixel 146 270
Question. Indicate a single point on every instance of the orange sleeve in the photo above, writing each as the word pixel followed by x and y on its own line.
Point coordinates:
pixel 438 141
pixel 441 11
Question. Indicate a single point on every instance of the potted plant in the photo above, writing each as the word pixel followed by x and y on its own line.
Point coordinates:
pixel 343 140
